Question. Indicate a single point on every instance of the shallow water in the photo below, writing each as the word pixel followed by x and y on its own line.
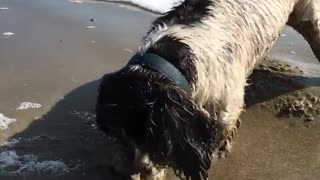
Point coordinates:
pixel 292 48
pixel 54 60
pixel 52 52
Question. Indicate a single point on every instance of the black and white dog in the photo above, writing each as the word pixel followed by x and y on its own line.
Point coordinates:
pixel 180 97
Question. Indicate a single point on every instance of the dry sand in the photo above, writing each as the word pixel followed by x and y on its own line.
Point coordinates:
pixel 52 59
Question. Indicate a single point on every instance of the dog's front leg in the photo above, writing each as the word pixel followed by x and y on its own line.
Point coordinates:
pixel 229 120
pixel 227 136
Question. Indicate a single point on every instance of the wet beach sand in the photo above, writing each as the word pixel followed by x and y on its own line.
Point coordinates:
pixel 60 50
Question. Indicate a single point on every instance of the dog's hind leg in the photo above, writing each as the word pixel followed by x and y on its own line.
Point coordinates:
pixel 229 120
pixel 306 20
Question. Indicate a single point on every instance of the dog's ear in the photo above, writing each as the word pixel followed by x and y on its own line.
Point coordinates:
pixel 182 133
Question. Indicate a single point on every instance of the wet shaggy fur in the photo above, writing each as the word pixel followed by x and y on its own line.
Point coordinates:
pixel 215 44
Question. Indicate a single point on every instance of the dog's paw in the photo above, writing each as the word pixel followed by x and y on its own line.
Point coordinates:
pixel 135 177
pixel 224 148
pixel 226 141
pixel 151 174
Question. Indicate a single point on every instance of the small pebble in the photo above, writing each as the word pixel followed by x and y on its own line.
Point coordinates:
pixel 293 52
pixel 90 27
pixel 129 50
pixel 309 119
pixel 8 34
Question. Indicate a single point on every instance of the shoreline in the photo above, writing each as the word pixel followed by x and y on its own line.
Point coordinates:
pixel 129 4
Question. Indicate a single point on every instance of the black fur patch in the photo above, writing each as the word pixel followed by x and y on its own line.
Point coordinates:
pixel 189 12
pixel 142 107
pixel 123 103
pixel 178 54
pixel 181 133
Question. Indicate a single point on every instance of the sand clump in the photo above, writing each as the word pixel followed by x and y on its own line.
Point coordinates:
pixel 305 106
pixel 284 90
pixel 278 67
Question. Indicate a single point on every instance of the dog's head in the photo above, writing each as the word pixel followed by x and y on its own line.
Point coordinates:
pixel 158 122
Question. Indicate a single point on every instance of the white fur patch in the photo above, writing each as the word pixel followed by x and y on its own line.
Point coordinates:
pixel 228 44
pixel 156 34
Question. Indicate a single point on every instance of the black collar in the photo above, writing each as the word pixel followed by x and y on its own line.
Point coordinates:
pixel 162 66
